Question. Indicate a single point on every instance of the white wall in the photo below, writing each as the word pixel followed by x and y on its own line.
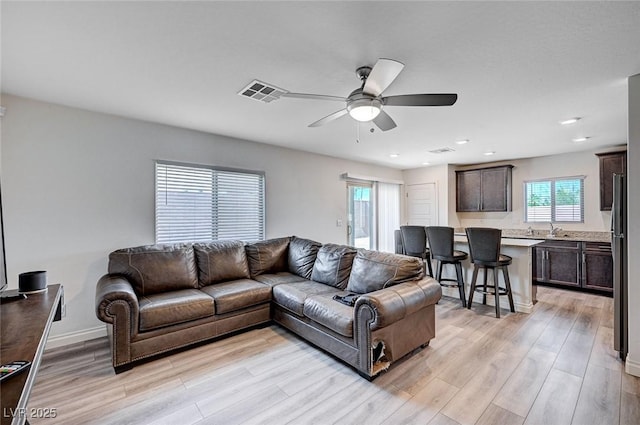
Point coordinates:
pixel 436 174
pixel 574 164
pixel 77 185
pixel 633 231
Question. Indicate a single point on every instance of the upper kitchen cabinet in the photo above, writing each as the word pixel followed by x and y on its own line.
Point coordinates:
pixel 484 189
pixel 610 163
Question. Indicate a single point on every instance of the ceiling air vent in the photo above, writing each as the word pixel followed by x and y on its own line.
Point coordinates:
pixel 263 92
pixel 442 150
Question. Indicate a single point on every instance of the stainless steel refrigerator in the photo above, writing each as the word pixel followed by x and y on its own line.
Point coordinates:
pixel 619 248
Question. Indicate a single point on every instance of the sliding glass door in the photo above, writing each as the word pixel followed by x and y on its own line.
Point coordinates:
pixel 360 226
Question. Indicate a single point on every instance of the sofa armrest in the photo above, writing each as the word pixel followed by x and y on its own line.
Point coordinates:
pixel 393 303
pixel 116 301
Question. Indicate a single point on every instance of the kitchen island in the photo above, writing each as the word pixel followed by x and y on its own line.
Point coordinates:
pixel 524 293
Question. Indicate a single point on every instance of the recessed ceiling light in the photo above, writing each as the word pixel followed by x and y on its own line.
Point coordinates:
pixel 462 142
pixel 394 155
pixel 426 163
pixel 570 121
pixel 581 139
pixel 489 153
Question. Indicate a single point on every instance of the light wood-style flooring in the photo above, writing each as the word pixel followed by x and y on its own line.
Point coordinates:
pixel 555 366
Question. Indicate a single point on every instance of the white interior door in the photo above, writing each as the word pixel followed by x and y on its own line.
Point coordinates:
pixel 422 204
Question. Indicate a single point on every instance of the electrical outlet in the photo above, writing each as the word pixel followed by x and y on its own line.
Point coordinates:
pixel 338 223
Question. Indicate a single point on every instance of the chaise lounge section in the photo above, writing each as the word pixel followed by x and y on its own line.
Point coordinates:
pixel 155 299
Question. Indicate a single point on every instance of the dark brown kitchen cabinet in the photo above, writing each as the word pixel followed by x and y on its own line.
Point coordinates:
pixel 558 262
pixel 610 163
pixel 484 189
pixel 597 266
pixel 468 189
pixel 583 265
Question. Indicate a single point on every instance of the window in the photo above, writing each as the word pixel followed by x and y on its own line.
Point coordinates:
pixel 200 204
pixel 555 200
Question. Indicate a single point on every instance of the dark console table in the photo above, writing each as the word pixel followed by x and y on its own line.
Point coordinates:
pixel 25 325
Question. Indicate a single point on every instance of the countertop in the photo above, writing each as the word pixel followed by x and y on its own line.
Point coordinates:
pixel 542 235
pixel 524 242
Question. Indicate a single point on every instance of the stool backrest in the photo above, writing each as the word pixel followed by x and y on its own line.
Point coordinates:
pixel 440 241
pixel 414 239
pixel 397 238
pixel 484 243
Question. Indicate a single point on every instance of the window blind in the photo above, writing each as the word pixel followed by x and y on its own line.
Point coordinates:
pixel 201 204
pixel 555 200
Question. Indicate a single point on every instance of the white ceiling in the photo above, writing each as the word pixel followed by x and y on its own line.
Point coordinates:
pixel 518 68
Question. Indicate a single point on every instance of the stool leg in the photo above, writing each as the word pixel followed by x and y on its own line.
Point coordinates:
pixel 429 266
pixel 507 283
pixel 472 290
pixel 460 279
pixel 497 291
pixel 439 271
pixel 484 281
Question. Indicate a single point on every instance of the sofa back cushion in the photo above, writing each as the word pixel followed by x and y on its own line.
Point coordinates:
pixel 333 265
pixel 221 261
pixel 154 269
pixel 374 270
pixel 302 256
pixel 268 256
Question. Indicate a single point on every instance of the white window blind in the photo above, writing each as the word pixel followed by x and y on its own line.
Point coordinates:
pixel 555 200
pixel 200 204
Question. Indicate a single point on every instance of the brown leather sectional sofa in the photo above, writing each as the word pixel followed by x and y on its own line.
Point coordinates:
pixel 160 298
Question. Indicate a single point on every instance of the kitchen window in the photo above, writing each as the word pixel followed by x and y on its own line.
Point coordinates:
pixel 554 200
pixel 196 203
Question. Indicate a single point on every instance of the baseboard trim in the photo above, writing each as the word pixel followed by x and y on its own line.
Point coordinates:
pixel 75 337
pixel 632 367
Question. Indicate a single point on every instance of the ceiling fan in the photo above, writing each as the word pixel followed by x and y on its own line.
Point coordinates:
pixel 366 103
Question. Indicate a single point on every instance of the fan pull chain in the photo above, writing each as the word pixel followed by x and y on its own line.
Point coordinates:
pixel 357 132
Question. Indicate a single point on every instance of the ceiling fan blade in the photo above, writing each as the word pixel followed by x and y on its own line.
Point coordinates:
pixel 329 118
pixel 443 99
pixel 381 76
pixel 313 96
pixel 384 121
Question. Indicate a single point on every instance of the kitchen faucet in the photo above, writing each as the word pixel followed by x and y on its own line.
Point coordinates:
pixel 554 230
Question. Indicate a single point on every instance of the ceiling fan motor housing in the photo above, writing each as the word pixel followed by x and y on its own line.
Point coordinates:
pixel 363 107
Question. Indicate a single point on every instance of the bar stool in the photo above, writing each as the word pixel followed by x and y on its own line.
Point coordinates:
pixel 397 239
pixel 484 247
pixel 414 241
pixel 441 245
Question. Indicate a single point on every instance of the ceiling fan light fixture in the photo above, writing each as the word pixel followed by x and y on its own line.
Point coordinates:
pixel 364 110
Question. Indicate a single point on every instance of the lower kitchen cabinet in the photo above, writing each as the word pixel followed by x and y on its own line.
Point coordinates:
pixel 583 265
pixel 597 266
pixel 558 262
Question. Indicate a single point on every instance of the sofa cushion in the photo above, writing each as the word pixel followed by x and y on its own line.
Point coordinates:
pixel 273 279
pixel 237 294
pixel 302 256
pixel 268 256
pixel 374 270
pixel 155 269
pixel 292 295
pixel 323 309
pixel 170 308
pixel 333 265
pixel 221 261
